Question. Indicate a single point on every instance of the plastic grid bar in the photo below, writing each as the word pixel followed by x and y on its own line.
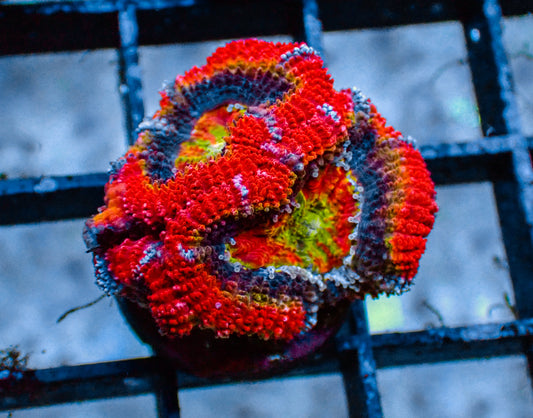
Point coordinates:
pixel 139 376
pixel 503 159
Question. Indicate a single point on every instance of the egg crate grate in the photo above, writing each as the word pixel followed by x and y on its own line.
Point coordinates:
pixel 502 157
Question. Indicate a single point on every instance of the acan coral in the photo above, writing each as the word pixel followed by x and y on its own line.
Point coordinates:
pixel 256 204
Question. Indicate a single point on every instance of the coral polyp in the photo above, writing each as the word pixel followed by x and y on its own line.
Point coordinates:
pixel 257 202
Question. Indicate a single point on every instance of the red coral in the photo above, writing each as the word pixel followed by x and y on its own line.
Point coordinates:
pixel 250 194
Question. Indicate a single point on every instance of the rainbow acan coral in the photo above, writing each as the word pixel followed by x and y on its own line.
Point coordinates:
pixel 255 206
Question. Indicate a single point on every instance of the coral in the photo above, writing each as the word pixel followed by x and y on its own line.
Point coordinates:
pixel 258 197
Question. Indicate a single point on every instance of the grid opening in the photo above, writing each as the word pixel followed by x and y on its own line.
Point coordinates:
pixel 423 67
pixel 53 102
pixel 517 38
pixel 291 398
pixel 46 272
pixel 481 388
pixel 134 406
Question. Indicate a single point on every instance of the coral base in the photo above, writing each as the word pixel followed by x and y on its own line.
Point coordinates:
pixel 237 357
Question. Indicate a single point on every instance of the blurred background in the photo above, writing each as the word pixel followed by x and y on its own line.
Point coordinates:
pixel 61 114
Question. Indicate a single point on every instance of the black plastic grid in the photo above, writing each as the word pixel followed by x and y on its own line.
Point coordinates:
pixel 502 157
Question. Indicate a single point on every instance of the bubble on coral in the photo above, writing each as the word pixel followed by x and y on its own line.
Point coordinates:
pixel 256 204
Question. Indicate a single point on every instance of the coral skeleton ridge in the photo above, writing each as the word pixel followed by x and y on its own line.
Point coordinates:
pixel 258 196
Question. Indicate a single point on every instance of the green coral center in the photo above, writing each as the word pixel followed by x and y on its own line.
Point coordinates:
pixel 309 231
pixel 315 235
